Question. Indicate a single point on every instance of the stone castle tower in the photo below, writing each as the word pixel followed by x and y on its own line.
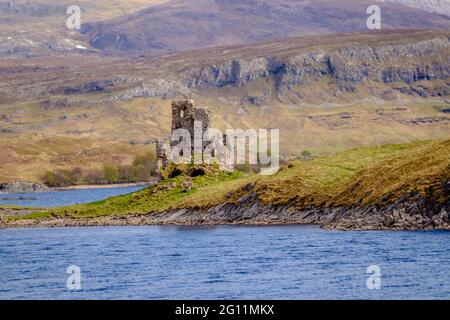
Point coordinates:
pixel 184 116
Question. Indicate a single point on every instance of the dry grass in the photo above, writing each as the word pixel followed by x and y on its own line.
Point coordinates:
pixel 424 169
pixel 27 161
pixel 362 176
pixel 313 122
pixel 105 135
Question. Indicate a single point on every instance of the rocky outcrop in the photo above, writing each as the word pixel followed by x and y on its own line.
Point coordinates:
pixel 98 86
pixel 349 66
pixel 414 63
pixel 425 91
pixel 122 89
pixel 412 212
pixel 22 187
pixel 154 88
pixel 236 72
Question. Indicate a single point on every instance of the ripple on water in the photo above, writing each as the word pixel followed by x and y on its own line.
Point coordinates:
pixel 279 262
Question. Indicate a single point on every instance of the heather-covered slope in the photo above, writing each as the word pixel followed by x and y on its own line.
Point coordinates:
pixel 184 25
pixel 31 28
pixel 441 7
pixel 151 27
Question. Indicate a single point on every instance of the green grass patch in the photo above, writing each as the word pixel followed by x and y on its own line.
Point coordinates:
pixel 166 195
pixel 360 176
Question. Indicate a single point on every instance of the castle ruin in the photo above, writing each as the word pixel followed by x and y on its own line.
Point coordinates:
pixel 184 116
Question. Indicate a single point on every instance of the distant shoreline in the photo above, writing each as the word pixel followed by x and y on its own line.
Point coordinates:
pixel 103 186
pixel 29 187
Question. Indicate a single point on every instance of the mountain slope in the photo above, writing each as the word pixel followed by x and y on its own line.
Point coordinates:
pixel 325 93
pixel 436 6
pixel 395 58
pixel 151 27
pixel 184 25
pixel 38 28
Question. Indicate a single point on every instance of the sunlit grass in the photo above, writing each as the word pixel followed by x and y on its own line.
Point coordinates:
pixel 360 176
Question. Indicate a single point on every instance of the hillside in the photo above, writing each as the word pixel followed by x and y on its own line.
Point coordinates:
pixel 441 7
pixel 38 28
pixel 391 186
pixel 329 92
pixel 185 25
pixel 154 27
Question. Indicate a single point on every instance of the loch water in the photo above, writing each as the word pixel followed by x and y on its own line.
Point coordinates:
pixel 223 262
pixel 64 197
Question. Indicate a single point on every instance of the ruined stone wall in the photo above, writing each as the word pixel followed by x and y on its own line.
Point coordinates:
pixel 162 154
pixel 184 116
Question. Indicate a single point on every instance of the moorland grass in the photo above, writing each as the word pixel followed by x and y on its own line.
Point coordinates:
pixel 360 176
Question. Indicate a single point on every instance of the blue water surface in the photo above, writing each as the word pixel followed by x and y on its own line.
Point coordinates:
pixel 276 262
pixel 64 198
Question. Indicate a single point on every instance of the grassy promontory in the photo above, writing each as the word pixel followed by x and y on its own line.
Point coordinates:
pixel 362 177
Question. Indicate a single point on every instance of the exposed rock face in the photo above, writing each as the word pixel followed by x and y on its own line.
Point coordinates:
pixel 98 86
pixel 22 187
pixel 154 88
pixel 425 91
pixel 235 72
pixel 409 213
pixel 351 66
pixel 403 61
pixel 404 67
pixel 428 210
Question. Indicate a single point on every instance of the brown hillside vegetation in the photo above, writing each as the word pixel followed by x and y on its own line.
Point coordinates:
pixel 358 178
pixel 325 93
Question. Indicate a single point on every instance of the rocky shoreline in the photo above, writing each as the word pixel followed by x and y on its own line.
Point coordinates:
pixel 106 186
pixel 22 187
pixel 405 214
